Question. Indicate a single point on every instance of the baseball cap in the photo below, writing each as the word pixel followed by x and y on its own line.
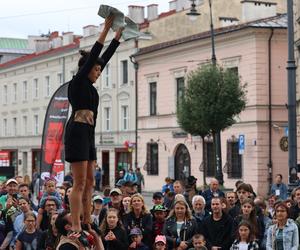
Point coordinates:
pixel 97 198
pixel 157 195
pixel 11 181
pixel 135 231
pixel 160 238
pixel 115 190
pixel 159 208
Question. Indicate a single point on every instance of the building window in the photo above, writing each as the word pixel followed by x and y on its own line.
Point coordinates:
pixel 14 126
pixel 25 91
pixel 106 75
pixel 152 159
pixel 235 70
pixel 36 88
pixel 124 113
pixel 179 89
pixel 14 97
pixel 107 119
pixel 47 86
pixel 153 94
pixel 72 73
pixel 124 64
pixel 5 98
pixel 60 79
pixel 35 124
pixel 234 160
pixel 209 159
pixel 4 127
pixel 25 125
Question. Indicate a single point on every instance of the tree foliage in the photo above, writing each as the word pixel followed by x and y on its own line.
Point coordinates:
pixel 212 100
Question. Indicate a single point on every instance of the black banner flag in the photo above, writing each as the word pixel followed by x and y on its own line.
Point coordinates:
pixel 52 158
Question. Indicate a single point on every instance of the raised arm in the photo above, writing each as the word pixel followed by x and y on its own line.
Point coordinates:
pixel 111 48
pixel 96 49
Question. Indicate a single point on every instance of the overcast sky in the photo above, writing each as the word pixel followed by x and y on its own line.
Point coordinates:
pixel 20 18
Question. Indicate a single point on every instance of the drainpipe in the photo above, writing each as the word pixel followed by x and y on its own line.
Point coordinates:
pixel 136 67
pixel 270 163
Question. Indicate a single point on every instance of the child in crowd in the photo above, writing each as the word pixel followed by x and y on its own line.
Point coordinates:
pixel 245 238
pixel 136 238
pixel 160 242
pixel 159 213
pixel 50 190
pixel 126 204
pixel 198 242
pixel 106 198
pixel 114 235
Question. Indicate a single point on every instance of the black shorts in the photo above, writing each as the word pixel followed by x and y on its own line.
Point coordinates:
pixel 80 142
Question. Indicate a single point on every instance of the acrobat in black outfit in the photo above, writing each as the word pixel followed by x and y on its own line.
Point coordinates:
pixel 80 148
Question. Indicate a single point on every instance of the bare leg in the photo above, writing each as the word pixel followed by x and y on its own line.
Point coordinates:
pixel 79 170
pixel 87 193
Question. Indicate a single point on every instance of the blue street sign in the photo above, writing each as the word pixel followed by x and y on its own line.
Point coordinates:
pixel 286 131
pixel 241 144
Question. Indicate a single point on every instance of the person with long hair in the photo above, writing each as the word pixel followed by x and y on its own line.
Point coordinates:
pixel 284 234
pixel 139 217
pixel 245 237
pixel 248 213
pixel 114 236
pixel 80 148
pixel 180 226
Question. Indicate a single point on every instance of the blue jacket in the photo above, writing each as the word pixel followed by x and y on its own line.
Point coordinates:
pixel 282 190
pixel 208 195
pixel 290 236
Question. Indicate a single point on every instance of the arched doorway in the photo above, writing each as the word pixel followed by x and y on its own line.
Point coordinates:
pixel 182 162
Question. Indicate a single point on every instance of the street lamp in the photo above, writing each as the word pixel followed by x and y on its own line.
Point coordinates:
pixel 292 120
pixel 193 14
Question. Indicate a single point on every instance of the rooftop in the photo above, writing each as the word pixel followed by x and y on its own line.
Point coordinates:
pixel 279 21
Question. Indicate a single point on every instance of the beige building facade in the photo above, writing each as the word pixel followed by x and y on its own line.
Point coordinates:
pixel 165 150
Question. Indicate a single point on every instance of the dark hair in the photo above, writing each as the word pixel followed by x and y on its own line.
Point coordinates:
pixel 282 204
pixel 252 217
pixel 280 175
pixel 24 198
pixel 250 227
pixel 23 185
pixel 85 55
pixel 61 222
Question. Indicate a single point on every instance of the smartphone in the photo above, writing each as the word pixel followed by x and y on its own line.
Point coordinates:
pixel 15 196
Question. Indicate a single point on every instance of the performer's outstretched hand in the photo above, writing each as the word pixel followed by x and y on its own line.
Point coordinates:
pixel 119 33
pixel 107 25
pixel 109 22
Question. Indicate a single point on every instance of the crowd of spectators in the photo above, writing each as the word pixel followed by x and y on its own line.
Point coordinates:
pixel 181 217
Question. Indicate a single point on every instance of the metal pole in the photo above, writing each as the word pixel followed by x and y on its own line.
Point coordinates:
pixel 217 139
pixel 292 120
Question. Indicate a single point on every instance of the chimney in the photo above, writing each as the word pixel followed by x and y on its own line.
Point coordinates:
pixel 152 11
pixel 56 42
pixel 254 10
pixel 68 38
pixel 38 43
pixel 136 13
pixel 53 34
pixel 90 30
pixel 172 5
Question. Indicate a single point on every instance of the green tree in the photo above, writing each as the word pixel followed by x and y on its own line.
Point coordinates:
pixel 212 100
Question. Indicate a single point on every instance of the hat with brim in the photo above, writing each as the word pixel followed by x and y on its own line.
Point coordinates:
pixel 135 231
pixel 11 181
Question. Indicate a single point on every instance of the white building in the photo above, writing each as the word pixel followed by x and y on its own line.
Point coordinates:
pixel 27 84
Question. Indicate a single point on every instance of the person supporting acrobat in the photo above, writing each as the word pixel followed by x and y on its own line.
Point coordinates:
pixel 80 148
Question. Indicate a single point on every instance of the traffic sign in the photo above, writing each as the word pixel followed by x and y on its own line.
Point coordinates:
pixel 241 144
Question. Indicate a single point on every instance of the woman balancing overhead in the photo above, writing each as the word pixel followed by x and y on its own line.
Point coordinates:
pixel 80 148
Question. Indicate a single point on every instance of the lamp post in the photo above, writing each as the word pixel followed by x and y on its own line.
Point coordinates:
pixel 292 120
pixel 193 15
